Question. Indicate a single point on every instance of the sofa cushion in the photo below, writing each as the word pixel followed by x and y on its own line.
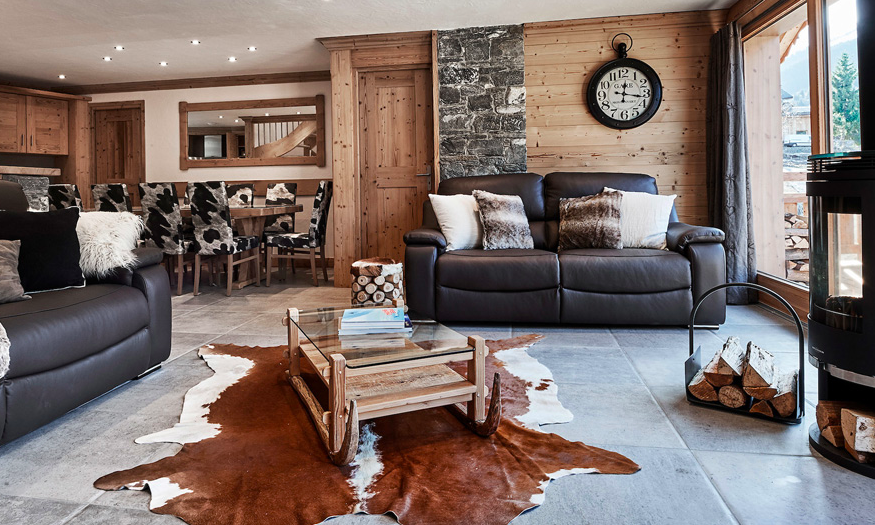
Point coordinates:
pixel 529 186
pixel 634 270
pixel 498 270
pixel 57 328
pixel 566 185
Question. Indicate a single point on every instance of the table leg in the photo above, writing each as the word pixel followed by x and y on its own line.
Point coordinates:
pixel 248 226
pixel 294 343
pixel 336 402
pixel 477 375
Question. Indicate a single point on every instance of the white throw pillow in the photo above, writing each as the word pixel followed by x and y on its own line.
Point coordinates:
pixel 106 241
pixel 644 219
pixel 459 218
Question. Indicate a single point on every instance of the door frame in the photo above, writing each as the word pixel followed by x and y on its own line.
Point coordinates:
pixel 140 105
pixel 350 56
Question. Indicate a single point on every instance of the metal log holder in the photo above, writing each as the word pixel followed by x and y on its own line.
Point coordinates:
pixel 694 363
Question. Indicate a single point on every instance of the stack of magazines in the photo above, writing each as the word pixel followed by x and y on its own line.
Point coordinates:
pixel 362 321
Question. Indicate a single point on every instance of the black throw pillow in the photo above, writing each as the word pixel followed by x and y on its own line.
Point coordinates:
pixel 49 255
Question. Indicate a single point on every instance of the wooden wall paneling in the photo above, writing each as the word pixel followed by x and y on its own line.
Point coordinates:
pixel 320 130
pixel 347 223
pixel 435 106
pixel 76 165
pixel 196 83
pixel 818 70
pixel 563 135
pixel 762 72
pixel 40 93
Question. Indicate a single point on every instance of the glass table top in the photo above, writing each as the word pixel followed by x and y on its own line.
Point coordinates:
pixel 428 339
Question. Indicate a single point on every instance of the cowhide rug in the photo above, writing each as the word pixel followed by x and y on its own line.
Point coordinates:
pixel 251 455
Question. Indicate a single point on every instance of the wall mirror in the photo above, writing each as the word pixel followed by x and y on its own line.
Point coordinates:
pixel 271 132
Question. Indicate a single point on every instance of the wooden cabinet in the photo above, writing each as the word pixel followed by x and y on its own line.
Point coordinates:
pixel 30 124
pixel 13 116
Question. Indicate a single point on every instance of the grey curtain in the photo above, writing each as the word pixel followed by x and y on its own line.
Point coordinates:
pixel 728 172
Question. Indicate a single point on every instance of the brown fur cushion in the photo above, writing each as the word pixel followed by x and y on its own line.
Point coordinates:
pixel 505 225
pixel 590 222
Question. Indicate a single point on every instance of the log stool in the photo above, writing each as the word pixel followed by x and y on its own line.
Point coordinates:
pixel 377 282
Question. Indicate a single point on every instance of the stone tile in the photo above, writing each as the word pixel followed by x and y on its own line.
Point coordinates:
pixel 159 393
pixel 573 336
pixel 753 314
pixel 669 488
pixel 187 301
pixel 182 343
pixel 586 366
pixel 200 322
pixel 252 340
pixel 781 489
pixel 99 515
pixel 602 416
pixel 774 338
pixel 703 428
pixel 33 511
pixel 265 324
pixel 660 337
pixel 62 459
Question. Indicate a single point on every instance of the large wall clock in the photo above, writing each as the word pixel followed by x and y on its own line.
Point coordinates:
pixel 624 93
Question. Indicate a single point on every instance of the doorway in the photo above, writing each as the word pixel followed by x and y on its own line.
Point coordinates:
pixel 119 144
pixel 396 153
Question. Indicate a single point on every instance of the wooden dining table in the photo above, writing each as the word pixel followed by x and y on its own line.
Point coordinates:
pixel 249 221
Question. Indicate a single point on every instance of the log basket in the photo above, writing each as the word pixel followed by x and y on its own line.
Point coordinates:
pixel 694 363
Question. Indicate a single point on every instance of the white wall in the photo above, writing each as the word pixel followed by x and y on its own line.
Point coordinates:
pixel 162 138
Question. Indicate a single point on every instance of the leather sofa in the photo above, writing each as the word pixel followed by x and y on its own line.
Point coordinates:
pixel 70 346
pixel 581 286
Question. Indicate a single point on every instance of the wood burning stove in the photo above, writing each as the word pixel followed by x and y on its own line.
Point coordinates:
pixel 841 324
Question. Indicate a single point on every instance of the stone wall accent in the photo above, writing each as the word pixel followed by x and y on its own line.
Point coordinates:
pixel 36 189
pixel 482 103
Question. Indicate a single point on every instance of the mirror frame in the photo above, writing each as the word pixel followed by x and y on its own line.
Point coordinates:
pixel 318 160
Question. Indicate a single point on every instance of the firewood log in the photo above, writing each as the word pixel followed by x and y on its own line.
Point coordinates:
pixel 833 434
pixel 858 429
pixel 388 287
pixel 394 278
pixel 732 396
pixel 356 287
pixel 761 392
pixel 379 296
pixel 713 376
pixel 379 280
pixel 829 413
pixel 370 288
pixel 762 407
pixel 362 296
pixel 860 457
pixel 701 388
pixel 363 280
pixel 760 368
pixel 396 293
pixel 785 400
pixel 731 357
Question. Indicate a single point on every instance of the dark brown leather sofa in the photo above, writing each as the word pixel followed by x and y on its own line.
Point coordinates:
pixel 70 346
pixel 591 286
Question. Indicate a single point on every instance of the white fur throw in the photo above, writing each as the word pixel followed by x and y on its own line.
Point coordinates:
pixel 106 241
pixel 4 352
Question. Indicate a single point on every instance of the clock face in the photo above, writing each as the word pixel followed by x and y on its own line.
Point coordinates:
pixel 624 93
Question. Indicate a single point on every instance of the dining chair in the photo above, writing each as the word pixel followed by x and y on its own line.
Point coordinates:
pixel 164 227
pixel 63 196
pixel 304 245
pixel 241 195
pixel 280 194
pixel 111 197
pixel 214 236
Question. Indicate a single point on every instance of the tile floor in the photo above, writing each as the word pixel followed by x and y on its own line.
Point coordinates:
pixel 624 386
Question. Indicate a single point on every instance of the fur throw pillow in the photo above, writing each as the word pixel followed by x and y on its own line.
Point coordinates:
pixel 591 222
pixel 504 221
pixel 107 240
pixel 4 352
pixel 10 282
pixel 644 218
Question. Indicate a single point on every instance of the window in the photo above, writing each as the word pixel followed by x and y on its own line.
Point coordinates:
pixel 844 85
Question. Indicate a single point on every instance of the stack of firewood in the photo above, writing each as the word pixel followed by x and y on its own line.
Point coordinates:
pixel 849 425
pixel 746 379
pixel 796 247
pixel 377 282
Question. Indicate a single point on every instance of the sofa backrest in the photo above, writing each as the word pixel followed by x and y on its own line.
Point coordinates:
pixel 12 196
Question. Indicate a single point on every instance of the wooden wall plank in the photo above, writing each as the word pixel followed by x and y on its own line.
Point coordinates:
pixel 561 133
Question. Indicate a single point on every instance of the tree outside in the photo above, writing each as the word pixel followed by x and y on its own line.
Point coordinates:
pixel 845 102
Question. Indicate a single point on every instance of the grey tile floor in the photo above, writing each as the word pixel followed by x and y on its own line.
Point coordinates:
pixel 624 386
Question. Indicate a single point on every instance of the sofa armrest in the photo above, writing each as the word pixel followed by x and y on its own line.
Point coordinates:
pixel 426 237
pixel 708 267
pixel 680 235
pixel 154 282
pixel 145 257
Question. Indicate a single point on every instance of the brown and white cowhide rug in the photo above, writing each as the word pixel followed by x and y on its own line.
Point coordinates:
pixel 250 454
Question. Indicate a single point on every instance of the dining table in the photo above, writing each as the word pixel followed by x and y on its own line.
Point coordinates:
pixel 249 220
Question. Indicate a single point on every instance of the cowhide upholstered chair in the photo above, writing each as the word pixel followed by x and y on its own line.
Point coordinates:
pixel 281 194
pixel 164 226
pixel 111 197
pixel 241 195
pixel 213 234
pixel 64 196
pixel 305 245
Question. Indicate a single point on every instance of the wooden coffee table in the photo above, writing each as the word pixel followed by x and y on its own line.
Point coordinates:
pixel 370 376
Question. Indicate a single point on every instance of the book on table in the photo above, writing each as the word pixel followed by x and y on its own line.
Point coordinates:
pixel 374 321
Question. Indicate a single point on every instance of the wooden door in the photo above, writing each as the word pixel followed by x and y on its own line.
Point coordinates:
pixel 396 153
pixel 47 126
pixel 13 118
pixel 119 145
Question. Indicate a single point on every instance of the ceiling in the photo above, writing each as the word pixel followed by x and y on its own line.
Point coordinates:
pixel 44 38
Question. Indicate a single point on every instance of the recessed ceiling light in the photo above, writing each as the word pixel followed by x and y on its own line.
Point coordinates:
pixel 236 120
pixel 220 116
pixel 107 59
pixel 162 63
pixel 299 113
pixel 62 77
pixel 119 48
pixel 232 59
pixel 195 42
pixel 252 48
pixel 267 114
